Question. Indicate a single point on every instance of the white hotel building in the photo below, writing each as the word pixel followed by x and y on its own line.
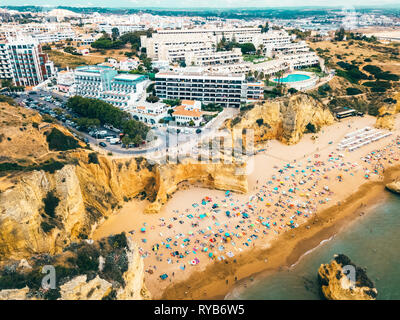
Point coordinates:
pixel 303 59
pixel 173 47
pixel 226 90
pixel 150 113
pixel 214 58
pixel 122 28
pixel 23 62
pixel 102 82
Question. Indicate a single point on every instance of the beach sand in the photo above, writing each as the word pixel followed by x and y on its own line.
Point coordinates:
pixel 330 205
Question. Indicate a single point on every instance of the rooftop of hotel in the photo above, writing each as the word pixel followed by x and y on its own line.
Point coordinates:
pixel 96 68
pixel 199 73
pixel 128 76
pixel 182 111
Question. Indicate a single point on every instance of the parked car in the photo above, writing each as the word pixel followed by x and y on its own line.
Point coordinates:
pixel 102 144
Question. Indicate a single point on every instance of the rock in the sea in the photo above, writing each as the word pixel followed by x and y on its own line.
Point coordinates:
pixel 394 186
pixel 343 280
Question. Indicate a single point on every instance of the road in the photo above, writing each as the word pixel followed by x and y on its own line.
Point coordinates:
pixel 170 143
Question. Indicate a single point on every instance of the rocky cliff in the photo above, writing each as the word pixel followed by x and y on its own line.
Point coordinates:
pixel 386 118
pixel 285 119
pixel 342 280
pixel 44 212
pixel 110 269
pixel 394 186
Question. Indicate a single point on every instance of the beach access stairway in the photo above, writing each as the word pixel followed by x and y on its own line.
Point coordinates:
pixel 359 138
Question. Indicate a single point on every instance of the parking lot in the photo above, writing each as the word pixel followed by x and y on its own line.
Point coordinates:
pixel 108 138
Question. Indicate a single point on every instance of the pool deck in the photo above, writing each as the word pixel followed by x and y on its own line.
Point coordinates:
pixel 301 84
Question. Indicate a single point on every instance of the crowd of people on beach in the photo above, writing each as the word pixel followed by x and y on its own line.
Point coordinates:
pixel 221 227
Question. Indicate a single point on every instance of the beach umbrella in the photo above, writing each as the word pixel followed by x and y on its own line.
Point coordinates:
pixel 143 229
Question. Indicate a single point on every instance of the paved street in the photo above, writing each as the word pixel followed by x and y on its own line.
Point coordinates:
pixel 167 142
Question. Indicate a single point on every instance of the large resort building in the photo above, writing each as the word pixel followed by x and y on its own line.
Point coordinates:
pixel 197 47
pixel 102 82
pixel 214 58
pixel 226 90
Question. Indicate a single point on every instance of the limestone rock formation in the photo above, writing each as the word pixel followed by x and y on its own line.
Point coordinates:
pixel 81 289
pixel 386 118
pixel 88 192
pixel 394 186
pixel 95 288
pixel 14 294
pixel 342 280
pixel 285 119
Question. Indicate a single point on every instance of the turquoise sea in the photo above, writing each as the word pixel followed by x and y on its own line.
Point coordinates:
pixel 372 241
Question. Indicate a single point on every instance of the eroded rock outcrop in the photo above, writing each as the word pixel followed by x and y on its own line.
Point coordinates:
pixel 83 194
pixel 394 186
pixel 285 119
pixel 387 114
pixel 82 273
pixel 342 280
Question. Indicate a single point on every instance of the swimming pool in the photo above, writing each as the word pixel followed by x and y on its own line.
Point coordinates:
pixel 294 77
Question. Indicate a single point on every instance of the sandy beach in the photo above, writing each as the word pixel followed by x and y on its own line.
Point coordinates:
pixel 207 241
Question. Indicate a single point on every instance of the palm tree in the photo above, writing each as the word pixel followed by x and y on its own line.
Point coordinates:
pixel 279 76
pixel 249 74
pixel 255 74
pixel 267 78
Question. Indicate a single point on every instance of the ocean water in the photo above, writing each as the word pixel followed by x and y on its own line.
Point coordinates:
pixel 372 241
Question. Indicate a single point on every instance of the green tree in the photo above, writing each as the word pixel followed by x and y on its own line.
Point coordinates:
pixel 114 33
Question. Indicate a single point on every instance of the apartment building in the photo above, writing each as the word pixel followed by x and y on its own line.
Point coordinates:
pixel 91 81
pixel 214 32
pixel 270 40
pixel 268 67
pixel 161 65
pixel 189 111
pixel 224 89
pixel 23 61
pixel 213 58
pixel 41 32
pixel 291 48
pixel 125 89
pixel 104 82
pixel 66 81
pixel 255 91
pixel 122 28
pixel 53 37
pixel 178 53
pixel 299 60
pixel 150 113
pixel 163 46
pixel 6 71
